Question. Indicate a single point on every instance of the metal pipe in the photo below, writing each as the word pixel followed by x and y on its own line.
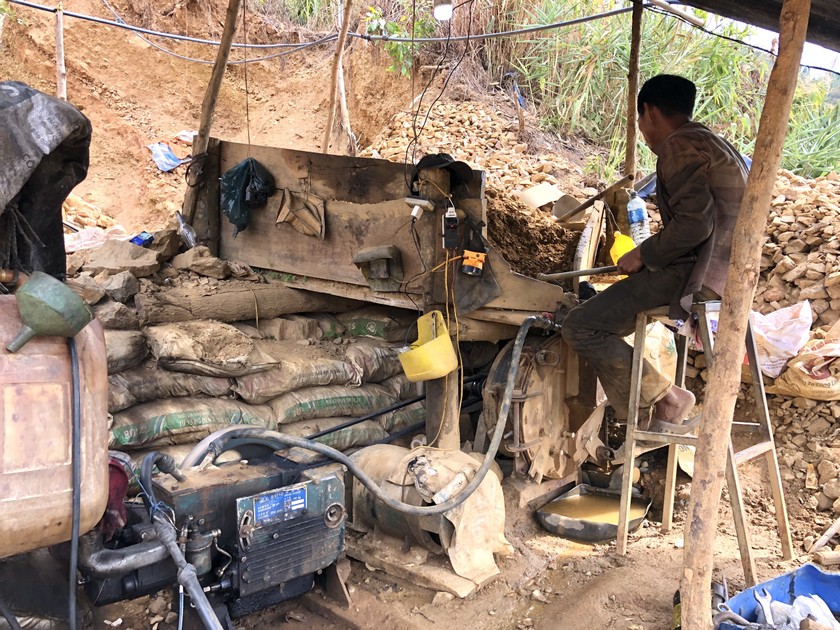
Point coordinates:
pixel 104 563
pixel 187 576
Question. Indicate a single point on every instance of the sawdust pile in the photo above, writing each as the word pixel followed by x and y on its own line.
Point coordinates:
pixel 487 138
pixel 800 259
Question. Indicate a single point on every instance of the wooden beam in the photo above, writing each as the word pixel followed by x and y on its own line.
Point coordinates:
pixel 60 68
pixel 208 106
pixel 633 87
pixel 724 378
pixel 339 51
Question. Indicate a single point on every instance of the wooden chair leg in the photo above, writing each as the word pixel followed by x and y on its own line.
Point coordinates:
pixel 782 521
pixel 630 439
pixel 670 489
pixel 736 499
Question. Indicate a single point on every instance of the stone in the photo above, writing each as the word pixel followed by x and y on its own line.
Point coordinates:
pixel 824 503
pixel 832 489
pixel 827 470
pixel 87 288
pixel 158 606
pixel 171 618
pixel 812 482
pixel 442 598
pixel 201 261
pixel 165 244
pixel 122 286
pixel 820 426
pixel 836 507
pixel 116 316
pixel 115 256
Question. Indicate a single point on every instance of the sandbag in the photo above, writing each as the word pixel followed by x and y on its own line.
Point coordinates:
pixel 290 327
pixel 375 359
pixel 403 418
pixel 140 385
pixel 330 327
pixel 206 347
pixel 125 349
pixel 401 387
pixel 379 322
pixel 815 372
pixel 362 434
pixel 181 420
pixel 327 402
pixel 292 374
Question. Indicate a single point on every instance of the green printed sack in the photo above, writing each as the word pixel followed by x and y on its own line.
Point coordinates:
pixel 329 402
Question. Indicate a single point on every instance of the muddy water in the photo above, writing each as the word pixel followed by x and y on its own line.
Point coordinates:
pixel 588 507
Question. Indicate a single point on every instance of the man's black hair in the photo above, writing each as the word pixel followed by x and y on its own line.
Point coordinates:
pixel 673 95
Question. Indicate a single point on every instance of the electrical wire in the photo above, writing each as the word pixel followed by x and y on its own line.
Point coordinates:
pixel 735 40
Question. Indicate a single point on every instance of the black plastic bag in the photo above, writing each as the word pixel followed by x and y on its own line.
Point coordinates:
pixel 245 187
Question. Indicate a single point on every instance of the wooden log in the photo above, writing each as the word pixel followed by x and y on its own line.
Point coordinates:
pixel 208 105
pixel 633 87
pixel 234 301
pixel 827 558
pixel 822 541
pixel 60 68
pixel 748 239
pixel 339 51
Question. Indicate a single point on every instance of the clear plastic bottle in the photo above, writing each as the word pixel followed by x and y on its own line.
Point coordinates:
pixel 638 217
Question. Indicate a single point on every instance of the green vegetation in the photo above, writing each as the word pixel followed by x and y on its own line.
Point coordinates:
pixel 402 53
pixel 575 78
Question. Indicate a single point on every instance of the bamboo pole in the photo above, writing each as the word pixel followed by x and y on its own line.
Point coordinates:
pixel 339 50
pixel 208 106
pixel 633 87
pixel 352 143
pixel 747 241
pixel 60 68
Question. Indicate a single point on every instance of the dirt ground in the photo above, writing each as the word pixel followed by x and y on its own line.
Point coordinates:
pixel 134 96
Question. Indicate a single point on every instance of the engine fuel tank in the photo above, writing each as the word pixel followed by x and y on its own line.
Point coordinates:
pixel 36 435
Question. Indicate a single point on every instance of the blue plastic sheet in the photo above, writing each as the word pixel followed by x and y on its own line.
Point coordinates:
pixel 164 157
pixel 808 580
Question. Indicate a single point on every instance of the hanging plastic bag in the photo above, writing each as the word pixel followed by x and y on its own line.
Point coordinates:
pixel 245 187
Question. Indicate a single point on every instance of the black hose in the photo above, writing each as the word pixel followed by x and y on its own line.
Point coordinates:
pixel 76 474
pixel 370 416
pixel 9 616
pixel 166 464
pixel 216 442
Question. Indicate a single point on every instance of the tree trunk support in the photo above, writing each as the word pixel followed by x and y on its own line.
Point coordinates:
pixel 633 88
pixel 208 107
pixel 748 239
pixel 339 51
pixel 60 68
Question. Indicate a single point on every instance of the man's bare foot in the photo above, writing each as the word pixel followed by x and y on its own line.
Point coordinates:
pixel 674 406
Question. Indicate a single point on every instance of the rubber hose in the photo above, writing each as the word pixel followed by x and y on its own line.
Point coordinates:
pixel 166 464
pixel 9 616
pixel 216 443
pixel 76 476
pixel 186 574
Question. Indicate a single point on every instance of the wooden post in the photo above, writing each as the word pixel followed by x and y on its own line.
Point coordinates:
pixel 208 106
pixel 339 50
pixel 633 87
pixel 352 144
pixel 724 378
pixel 60 69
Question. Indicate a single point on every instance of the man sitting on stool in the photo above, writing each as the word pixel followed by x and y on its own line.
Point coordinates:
pixel 700 180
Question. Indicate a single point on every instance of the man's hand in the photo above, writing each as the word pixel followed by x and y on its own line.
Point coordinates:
pixel 631 262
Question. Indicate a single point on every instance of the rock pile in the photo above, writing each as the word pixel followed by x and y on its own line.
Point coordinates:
pixel 82 214
pixel 800 258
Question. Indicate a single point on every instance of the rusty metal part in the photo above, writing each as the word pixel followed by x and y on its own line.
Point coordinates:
pixel 624 181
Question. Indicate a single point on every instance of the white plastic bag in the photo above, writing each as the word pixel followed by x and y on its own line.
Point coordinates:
pixel 780 335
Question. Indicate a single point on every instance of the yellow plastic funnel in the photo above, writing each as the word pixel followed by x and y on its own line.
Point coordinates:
pixel 432 355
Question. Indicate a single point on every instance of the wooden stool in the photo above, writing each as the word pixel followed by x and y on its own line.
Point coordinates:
pixel 761 426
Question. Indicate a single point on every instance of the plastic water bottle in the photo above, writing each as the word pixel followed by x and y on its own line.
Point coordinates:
pixel 639 222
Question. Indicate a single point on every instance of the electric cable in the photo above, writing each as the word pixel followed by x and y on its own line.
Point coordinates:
pixel 9 616
pixel 76 456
